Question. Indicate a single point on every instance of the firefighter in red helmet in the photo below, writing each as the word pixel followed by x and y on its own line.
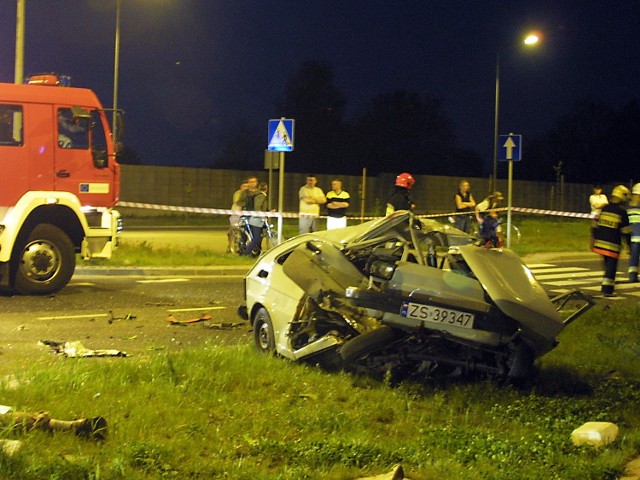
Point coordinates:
pixel 400 198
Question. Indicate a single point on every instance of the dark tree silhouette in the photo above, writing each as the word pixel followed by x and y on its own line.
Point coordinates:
pixel 243 149
pixel 317 107
pixel 591 144
pixel 401 131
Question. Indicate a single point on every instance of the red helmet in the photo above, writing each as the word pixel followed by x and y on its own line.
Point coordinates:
pixel 405 180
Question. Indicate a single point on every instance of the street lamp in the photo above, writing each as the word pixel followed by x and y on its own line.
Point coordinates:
pixel 18 73
pixel 530 39
pixel 116 68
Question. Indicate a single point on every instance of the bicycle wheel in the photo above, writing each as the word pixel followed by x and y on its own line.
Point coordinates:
pixel 270 239
pixel 515 235
pixel 236 241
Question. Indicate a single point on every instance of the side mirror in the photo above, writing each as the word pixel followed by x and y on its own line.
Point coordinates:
pixel 100 159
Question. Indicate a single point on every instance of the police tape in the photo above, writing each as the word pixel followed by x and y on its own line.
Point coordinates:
pixel 223 211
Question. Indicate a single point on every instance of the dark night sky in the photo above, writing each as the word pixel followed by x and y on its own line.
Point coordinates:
pixel 191 70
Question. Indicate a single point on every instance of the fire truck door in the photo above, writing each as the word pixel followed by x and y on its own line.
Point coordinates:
pixel 79 136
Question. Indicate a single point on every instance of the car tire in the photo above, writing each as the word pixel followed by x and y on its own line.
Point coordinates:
pixel 365 343
pixel 43 262
pixel 263 334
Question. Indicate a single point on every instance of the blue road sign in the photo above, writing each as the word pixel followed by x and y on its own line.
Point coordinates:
pixel 510 147
pixel 280 136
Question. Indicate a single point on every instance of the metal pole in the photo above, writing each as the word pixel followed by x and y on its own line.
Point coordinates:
pixel 280 196
pixel 363 195
pixel 19 61
pixel 509 191
pixel 116 68
pixel 494 178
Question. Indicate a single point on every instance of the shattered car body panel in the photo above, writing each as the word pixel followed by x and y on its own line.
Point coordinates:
pixel 403 294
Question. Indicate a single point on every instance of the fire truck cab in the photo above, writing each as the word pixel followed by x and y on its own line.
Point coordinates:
pixel 60 182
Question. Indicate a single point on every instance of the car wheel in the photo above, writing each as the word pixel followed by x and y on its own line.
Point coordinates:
pixel 263 335
pixel 44 262
pixel 365 343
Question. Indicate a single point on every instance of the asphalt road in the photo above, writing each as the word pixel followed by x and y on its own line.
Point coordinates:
pixel 125 313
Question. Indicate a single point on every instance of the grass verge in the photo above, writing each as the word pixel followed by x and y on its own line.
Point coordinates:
pixel 539 234
pixel 228 412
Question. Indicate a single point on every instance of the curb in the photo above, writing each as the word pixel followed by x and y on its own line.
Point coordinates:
pixel 165 271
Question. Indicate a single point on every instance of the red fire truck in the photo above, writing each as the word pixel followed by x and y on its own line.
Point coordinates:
pixel 60 182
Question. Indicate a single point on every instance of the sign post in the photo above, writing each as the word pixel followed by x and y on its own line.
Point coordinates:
pixel 510 151
pixel 280 139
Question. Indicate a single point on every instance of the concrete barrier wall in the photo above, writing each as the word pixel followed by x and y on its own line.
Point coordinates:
pixel 209 188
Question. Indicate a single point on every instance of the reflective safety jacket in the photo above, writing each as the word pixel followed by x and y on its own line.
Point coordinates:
pixel 612 227
pixel 634 219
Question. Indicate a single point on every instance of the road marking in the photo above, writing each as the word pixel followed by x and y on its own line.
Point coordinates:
pixel 559 270
pixel 559 280
pixel 67 317
pixel 553 276
pixel 165 280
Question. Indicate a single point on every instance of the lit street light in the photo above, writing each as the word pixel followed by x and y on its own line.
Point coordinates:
pixel 530 39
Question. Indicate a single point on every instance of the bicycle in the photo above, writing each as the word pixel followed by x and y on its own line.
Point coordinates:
pixel 475 231
pixel 240 236
pixel 515 232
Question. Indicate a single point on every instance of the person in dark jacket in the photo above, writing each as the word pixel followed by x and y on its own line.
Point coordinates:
pixel 611 229
pixel 400 198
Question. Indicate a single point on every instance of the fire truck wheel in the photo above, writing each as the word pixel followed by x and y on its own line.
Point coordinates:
pixel 44 263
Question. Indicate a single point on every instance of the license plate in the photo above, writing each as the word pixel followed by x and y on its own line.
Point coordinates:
pixel 439 315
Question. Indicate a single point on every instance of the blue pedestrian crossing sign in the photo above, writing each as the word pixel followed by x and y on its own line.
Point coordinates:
pixel 280 135
pixel 510 148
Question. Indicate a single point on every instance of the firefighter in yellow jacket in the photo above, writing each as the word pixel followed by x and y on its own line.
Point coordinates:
pixel 611 229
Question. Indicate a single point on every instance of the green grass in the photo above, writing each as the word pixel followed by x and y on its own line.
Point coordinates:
pixel 228 412
pixel 539 234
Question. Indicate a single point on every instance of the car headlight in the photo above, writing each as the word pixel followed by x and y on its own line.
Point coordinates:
pixel 382 269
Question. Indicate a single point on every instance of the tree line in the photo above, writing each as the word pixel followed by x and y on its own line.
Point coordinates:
pixel 591 143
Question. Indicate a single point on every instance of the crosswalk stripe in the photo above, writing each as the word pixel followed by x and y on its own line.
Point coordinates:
pixel 558 280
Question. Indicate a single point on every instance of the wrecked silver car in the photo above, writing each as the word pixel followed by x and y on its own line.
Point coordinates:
pixel 403 295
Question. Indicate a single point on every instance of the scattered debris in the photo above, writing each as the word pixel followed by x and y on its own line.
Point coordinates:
pixel 10 447
pixel 95 428
pixel 595 433
pixel 78 350
pixel 225 325
pixel 128 316
pixel 202 318
pixel 397 473
pixel 10 382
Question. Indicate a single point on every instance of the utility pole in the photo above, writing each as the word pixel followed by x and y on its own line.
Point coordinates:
pixel 19 65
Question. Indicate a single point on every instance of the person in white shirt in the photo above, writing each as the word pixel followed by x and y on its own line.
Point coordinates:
pixel 597 201
pixel 337 204
pixel 311 197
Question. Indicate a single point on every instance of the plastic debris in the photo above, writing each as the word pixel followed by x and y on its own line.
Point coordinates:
pixel 10 447
pixel 202 318
pixel 595 433
pixel 95 428
pixel 78 350
pixel 225 325
pixel 397 473
pixel 128 316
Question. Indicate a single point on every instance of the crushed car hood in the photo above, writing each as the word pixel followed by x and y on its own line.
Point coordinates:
pixel 515 291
